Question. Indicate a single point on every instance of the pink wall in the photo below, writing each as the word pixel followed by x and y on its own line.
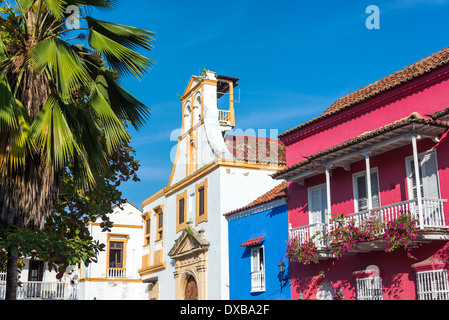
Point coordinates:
pixel 392 181
pixel 370 115
pixel 398 277
pixel 425 95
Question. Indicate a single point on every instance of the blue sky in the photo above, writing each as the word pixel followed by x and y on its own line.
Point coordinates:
pixel 294 59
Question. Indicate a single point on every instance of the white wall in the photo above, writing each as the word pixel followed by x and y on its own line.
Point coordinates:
pixel 94 282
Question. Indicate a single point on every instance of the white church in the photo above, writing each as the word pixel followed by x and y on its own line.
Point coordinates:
pixel 185 253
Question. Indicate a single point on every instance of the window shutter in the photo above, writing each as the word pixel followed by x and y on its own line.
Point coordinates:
pixel 375 190
pixel 318 204
pixel 201 201
pixel 413 178
pixel 254 259
pixel 261 266
pixel 181 211
pixel 430 176
pixel 362 191
pixel 323 204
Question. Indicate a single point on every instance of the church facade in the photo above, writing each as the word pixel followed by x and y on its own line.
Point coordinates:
pixel 185 253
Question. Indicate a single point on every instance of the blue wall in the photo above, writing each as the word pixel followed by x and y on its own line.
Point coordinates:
pixel 273 224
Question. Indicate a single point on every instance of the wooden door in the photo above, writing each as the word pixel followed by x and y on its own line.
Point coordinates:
pixel 191 292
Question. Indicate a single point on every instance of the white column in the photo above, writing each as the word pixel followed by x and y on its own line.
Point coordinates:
pixel 368 182
pixel 418 182
pixel 328 191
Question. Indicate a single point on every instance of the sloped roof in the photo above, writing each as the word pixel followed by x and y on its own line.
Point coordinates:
pixel 430 263
pixel 404 75
pixel 252 242
pixel 278 192
pixel 246 148
pixel 414 118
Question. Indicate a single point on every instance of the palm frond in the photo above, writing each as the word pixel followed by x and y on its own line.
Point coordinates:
pixel 130 37
pixel 63 63
pixel 3 53
pixel 114 131
pixel 126 106
pixel 23 6
pixel 118 48
pixel 8 120
pixel 19 143
pixel 56 7
pixel 14 128
pixel 52 135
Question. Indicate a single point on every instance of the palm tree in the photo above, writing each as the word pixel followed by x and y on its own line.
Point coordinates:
pixel 60 102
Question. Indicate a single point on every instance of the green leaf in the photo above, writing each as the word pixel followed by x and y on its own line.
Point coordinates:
pixel 56 7
pixel 63 63
pixel 118 49
pixel 114 131
pixel 126 106
pixel 51 133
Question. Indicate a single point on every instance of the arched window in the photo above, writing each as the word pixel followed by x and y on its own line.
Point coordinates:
pixel 325 291
pixel 187 117
pixel 197 109
pixel 192 157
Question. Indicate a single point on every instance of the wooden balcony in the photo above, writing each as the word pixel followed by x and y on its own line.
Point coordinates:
pixel 429 215
pixel 226 118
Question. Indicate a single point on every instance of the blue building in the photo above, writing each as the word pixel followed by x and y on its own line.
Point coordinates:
pixel 258 234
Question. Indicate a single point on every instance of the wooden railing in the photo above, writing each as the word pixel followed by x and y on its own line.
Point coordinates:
pixel 430 217
pixel 224 116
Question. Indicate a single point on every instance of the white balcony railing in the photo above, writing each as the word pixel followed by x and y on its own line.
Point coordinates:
pixel 116 273
pixel 37 290
pixel 258 281
pixel 430 217
pixel 307 232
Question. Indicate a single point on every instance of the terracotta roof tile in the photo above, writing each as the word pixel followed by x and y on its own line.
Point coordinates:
pixel 252 242
pixel 280 191
pixel 246 148
pixel 409 73
pixel 413 118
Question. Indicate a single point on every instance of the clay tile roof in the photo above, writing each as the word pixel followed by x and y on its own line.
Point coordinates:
pixel 409 73
pixel 280 191
pixel 415 118
pixel 252 242
pixel 246 148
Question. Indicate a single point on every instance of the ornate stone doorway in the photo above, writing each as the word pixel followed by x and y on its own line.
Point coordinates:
pixel 190 256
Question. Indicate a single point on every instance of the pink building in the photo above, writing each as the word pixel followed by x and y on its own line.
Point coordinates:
pixel 389 129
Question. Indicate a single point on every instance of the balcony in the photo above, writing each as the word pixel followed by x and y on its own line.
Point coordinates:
pixel 258 281
pixel 38 290
pixel 226 118
pixel 429 215
pixel 116 273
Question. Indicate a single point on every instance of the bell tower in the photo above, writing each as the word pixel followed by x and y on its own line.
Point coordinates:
pixel 204 123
